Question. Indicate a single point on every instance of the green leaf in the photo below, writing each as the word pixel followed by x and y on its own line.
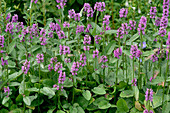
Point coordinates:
pixel 166 107
pixel 111 32
pixel 104 104
pixel 19 98
pixel 99 91
pixel 27 100
pixel 133 38
pixel 157 101
pixel 20 47
pixel 126 93
pixel 80 2
pixel 157 80
pixel 122 106
pixel 80 109
pixel 5 99
pixel 11 46
pixel 47 91
pixel 60 111
pixel 136 92
pixel 110 47
pixel 87 94
pixel 68 83
pixel 48 83
pixel 148 53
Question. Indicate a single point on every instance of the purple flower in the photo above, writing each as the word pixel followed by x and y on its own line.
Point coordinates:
pixel 120 33
pixel 75 68
pixel 149 95
pixel 9 27
pixel 52 26
pixel 153 12
pixel 15 18
pixel 57 28
pixel 40 58
pixel 43 32
pixel 118 52
pixel 154 58
pixel 71 13
pixel 26 66
pixel 61 34
pixel 88 28
pixel 123 12
pixel 56 86
pixel 3 62
pixel 1 41
pixel 43 40
pixel 61 4
pixel 103 66
pixel 83 59
pixel 134 82
pixel 86 48
pixel 19 26
pixel 66 24
pixel 50 68
pixel 79 29
pixel 125 28
pixel 35 1
pixel 58 66
pixel 106 20
pixel 50 34
pixel 8 17
pixel 96 54
pixel 62 77
pixel 157 21
pixel 165 8
pixel 142 25
pixel 164 22
pixel 146 111
pixel 135 52
pixel 53 60
pixel 67 60
pixel 77 17
pixel 132 24
pixel 88 9
pixel 86 6
pixel 103 59
pixel 97 38
pixel 99 6
pixel 87 39
pixel 6 89
pixel 162 31
pixel 64 50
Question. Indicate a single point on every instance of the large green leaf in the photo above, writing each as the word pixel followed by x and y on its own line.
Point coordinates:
pixel 5 99
pixel 126 93
pixel 99 91
pixel 87 94
pixel 27 100
pixel 11 46
pixel 104 104
pixel 166 107
pixel 47 91
pixel 122 106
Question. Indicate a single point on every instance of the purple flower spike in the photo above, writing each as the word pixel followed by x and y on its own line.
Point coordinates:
pixel 149 95
pixel 15 18
pixel 83 59
pixel 99 6
pixel 134 82
pixel 26 66
pixel 118 52
pixel 40 58
pixel 58 66
pixel 153 12
pixel 87 40
pixel 164 22
pixel 123 12
pixel 7 90
pixel 2 41
pixel 142 25
pixel 132 24
pixel 103 59
pixel 97 39
pixel 162 31
pixel 135 52
pixel 75 68
pixel 79 29
pixel 157 21
pixel 71 13
pixel 96 54
pixel 4 61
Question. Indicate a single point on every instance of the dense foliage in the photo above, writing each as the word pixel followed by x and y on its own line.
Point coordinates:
pixel 75 56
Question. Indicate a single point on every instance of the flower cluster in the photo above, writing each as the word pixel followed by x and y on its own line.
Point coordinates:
pixel 157 21
pixel 125 28
pixel 35 1
pixel 9 27
pixel 75 68
pixel 134 82
pixel 43 40
pixel 61 79
pixel 77 16
pixel 95 54
pixel 142 25
pixel 64 50
pixel 6 89
pixel 164 22
pixel 26 66
pixel 40 58
pixel 1 41
pixel 123 12
pixel 162 31
pixel 67 60
pixel 88 28
pixel 149 95
pixel 88 9
pixel 79 29
pixel 19 26
pixel 165 8
pixel 106 22
pixel 104 60
pixel 15 18
pixel 118 52
pixel 58 66
pixel 99 6
pixel 153 12
pixel 66 24
pixel 71 13
pixel 83 59
pixel 61 4
pixel 135 52
pixel 120 32
pixel 97 38
pixel 87 41
pixel 132 24
pixel 3 62
pixel 61 34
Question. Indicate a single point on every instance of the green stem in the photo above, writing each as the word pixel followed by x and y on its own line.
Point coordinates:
pixel 39 91
pixel 24 90
pixel 73 90
pixel 139 75
pixel 44 12
pixel 117 72
pixel 133 70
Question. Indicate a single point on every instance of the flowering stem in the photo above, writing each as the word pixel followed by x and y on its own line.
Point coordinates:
pixel 44 12
pixel 167 69
pixel 117 71
pixel 24 89
pixel 39 92
pixel 73 90
pixel 133 69
pixel 139 75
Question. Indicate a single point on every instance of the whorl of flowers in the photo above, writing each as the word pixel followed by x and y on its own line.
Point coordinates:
pixel 149 95
pixel 61 4
pixel 26 66
pixel 142 25
pixel 135 52
pixel 99 6
pixel 123 12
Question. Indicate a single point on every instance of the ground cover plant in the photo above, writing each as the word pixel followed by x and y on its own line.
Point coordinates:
pixel 105 56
